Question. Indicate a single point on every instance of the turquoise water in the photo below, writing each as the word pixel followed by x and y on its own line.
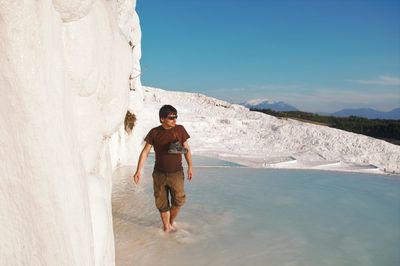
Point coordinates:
pixel 242 216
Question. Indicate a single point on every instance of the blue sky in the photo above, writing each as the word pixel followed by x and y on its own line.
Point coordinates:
pixel 318 55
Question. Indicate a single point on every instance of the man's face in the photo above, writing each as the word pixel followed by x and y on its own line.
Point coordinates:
pixel 170 120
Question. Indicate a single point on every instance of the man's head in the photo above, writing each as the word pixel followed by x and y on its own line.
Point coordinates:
pixel 168 115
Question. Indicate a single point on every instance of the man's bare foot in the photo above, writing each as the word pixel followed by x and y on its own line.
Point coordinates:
pixel 169 229
pixel 174 225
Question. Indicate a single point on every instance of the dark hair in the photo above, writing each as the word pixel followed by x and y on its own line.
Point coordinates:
pixel 165 110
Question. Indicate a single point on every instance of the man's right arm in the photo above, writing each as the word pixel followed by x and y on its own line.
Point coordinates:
pixel 142 159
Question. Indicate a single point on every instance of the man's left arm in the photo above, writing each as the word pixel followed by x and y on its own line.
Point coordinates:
pixel 188 157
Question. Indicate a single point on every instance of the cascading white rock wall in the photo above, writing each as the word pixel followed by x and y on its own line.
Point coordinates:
pixel 64 91
pixel 125 147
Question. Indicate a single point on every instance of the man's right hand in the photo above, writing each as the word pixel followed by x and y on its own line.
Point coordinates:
pixel 142 159
pixel 136 177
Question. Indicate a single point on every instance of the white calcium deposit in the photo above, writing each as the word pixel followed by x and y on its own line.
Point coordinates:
pixel 234 133
pixel 65 87
pixel 67 77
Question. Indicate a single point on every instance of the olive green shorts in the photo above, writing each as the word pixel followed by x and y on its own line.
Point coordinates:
pixel 168 185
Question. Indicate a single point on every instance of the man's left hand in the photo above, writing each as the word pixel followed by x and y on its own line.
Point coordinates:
pixel 190 173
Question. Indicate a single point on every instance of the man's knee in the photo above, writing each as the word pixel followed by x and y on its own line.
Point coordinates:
pixel 178 200
pixel 162 203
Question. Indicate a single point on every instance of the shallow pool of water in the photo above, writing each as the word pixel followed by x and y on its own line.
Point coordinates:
pixel 243 216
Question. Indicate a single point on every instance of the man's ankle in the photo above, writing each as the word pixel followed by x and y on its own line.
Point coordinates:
pixel 167 228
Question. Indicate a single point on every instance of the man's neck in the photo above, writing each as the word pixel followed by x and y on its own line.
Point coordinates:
pixel 166 127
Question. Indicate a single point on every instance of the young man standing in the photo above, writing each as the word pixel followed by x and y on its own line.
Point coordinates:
pixel 170 142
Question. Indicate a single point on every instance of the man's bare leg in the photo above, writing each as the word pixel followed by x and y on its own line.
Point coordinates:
pixel 165 218
pixel 174 213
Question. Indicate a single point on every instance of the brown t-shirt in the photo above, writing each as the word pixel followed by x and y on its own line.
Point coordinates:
pixel 161 138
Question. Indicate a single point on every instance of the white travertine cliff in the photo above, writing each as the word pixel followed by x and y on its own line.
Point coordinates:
pixel 66 72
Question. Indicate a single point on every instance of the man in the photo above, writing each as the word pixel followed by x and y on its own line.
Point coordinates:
pixel 168 176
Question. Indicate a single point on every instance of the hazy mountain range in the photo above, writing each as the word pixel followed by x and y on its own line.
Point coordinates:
pixel 369 113
pixel 361 112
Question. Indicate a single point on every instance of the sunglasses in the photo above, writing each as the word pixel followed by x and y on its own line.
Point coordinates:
pixel 172 117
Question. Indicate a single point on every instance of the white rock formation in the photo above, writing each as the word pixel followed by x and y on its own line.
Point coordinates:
pixel 232 132
pixel 64 84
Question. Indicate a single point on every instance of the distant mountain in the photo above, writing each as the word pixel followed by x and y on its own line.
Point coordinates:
pixel 267 104
pixel 369 113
